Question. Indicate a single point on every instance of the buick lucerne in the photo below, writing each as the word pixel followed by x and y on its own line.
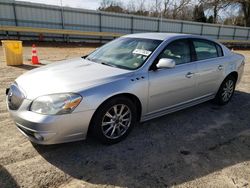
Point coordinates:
pixel 131 79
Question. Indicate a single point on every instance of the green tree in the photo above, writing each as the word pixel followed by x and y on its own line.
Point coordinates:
pixel 245 7
pixel 215 6
pixel 210 19
pixel 111 6
pixel 199 15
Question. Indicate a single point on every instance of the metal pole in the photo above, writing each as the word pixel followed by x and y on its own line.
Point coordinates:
pixel 218 35
pixel 100 25
pixel 132 24
pixel 234 33
pixel 182 27
pixel 15 18
pixel 62 19
pixel 14 11
pixel 202 25
pixel 158 27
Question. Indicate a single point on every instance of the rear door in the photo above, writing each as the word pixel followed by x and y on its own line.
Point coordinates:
pixel 210 65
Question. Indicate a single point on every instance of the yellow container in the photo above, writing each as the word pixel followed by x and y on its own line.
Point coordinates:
pixel 13 52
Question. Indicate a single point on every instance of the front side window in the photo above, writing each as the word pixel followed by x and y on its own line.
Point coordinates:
pixel 205 49
pixel 179 51
pixel 126 53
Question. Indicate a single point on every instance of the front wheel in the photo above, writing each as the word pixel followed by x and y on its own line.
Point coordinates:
pixel 226 91
pixel 114 120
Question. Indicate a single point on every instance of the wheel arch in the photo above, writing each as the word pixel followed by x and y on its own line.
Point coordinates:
pixel 133 98
pixel 234 74
pixel 130 96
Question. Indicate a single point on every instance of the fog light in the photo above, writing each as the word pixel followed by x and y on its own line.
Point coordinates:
pixel 38 136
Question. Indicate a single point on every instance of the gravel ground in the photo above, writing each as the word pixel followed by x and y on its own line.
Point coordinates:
pixel 202 146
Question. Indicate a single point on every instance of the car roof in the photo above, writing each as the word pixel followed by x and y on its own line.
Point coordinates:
pixel 159 36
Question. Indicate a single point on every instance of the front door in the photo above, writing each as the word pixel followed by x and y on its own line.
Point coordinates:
pixel 169 87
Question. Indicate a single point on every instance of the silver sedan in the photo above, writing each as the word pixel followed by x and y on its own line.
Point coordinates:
pixel 131 79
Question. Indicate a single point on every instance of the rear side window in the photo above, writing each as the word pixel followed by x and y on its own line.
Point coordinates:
pixel 178 50
pixel 206 50
pixel 219 50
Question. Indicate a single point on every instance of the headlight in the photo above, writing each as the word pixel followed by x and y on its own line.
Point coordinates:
pixel 56 103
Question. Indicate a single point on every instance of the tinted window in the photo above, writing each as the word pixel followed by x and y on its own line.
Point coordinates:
pixel 219 50
pixel 205 49
pixel 178 51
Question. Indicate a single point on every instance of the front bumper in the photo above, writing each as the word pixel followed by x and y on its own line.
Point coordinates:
pixel 51 129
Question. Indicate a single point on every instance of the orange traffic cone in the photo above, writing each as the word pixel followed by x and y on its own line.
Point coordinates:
pixel 35 60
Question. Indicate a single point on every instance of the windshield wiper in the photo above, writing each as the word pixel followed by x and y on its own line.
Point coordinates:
pixel 87 58
pixel 103 63
pixel 111 65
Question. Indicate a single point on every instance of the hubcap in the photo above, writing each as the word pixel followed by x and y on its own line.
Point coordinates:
pixel 227 90
pixel 116 121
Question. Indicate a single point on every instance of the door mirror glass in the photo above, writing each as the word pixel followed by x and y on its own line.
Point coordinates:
pixel 165 63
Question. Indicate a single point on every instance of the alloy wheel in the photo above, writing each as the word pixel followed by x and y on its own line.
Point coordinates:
pixel 227 90
pixel 116 121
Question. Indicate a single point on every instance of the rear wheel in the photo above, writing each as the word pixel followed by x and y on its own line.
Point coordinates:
pixel 226 91
pixel 114 120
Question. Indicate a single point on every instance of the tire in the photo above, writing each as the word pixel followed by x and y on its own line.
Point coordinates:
pixel 110 127
pixel 226 91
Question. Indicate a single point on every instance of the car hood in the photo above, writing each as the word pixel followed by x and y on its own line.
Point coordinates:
pixel 73 75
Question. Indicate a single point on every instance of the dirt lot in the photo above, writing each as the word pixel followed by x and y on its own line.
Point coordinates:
pixel 203 146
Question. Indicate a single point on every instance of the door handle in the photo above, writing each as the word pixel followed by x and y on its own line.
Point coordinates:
pixel 220 67
pixel 189 75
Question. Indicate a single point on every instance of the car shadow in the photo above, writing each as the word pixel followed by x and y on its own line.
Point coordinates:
pixel 26 67
pixel 6 179
pixel 166 151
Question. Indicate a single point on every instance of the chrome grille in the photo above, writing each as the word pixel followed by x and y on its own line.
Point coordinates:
pixel 15 97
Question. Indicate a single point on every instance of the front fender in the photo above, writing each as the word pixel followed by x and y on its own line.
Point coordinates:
pixel 94 97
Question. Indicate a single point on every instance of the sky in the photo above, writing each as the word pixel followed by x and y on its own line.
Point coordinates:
pixel 86 4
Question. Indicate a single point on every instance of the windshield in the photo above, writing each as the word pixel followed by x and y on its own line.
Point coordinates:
pixel 126 53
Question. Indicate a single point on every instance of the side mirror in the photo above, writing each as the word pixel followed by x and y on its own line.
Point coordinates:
pixel 165 63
